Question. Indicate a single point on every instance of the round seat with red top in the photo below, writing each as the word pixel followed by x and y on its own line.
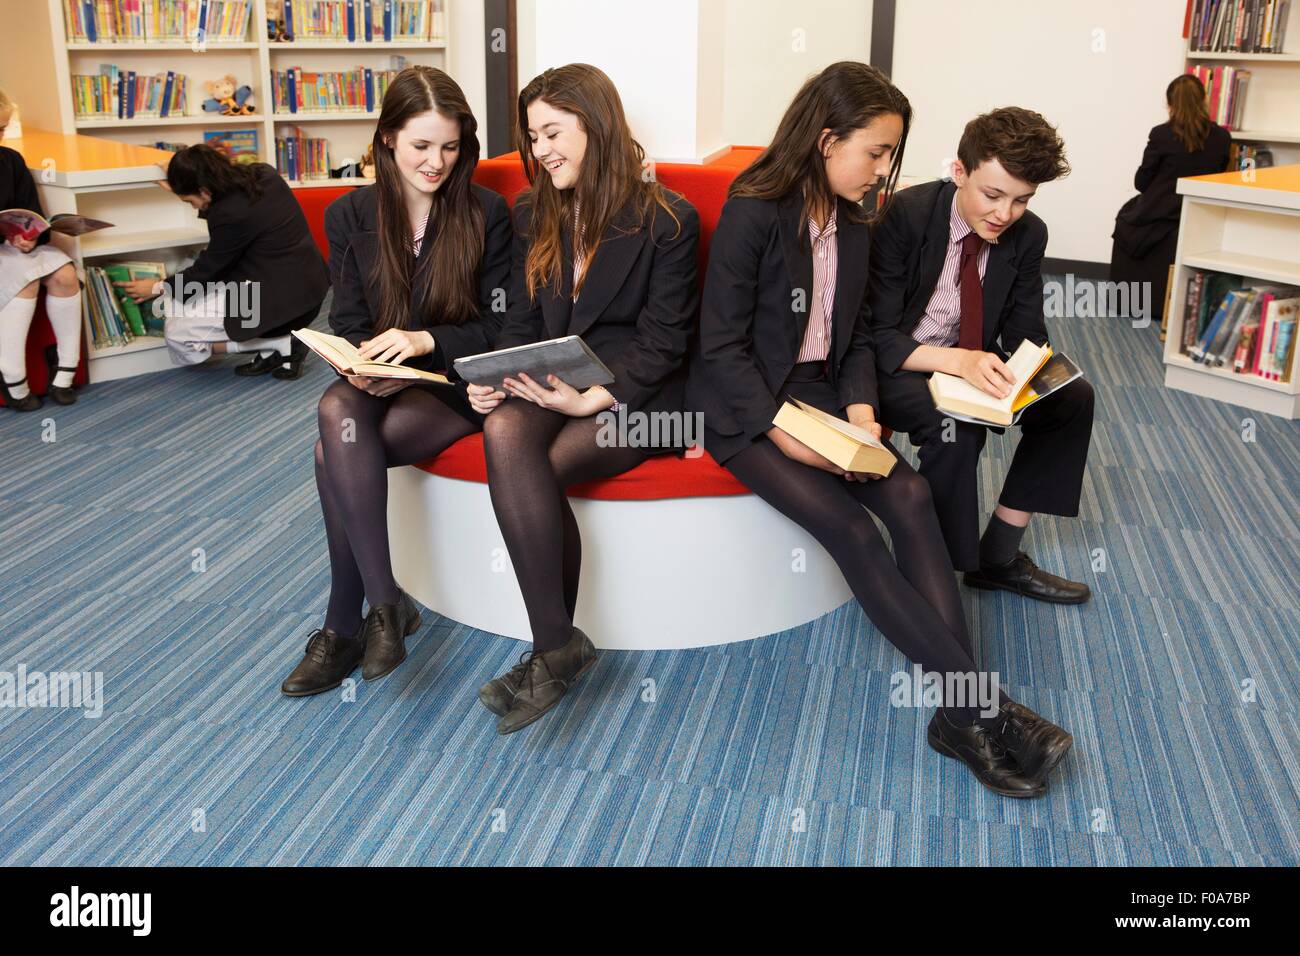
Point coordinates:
pixel 676 552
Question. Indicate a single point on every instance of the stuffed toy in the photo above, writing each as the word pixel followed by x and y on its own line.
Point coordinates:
pixel 226 99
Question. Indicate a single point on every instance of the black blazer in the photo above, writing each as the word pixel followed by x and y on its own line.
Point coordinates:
pixel 638 304
pixel 351 226
pixel 18 188
pixel 264 241
pixel 1150 216
pixel 911 241
pixel 750 330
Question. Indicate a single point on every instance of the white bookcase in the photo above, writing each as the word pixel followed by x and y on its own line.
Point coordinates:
pixel 1272 111
pixel 1245 224
pixel 251 62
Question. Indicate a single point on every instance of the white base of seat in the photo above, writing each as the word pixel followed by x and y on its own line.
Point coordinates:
pixel 670 573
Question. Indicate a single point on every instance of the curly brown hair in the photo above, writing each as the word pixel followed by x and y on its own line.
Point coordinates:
pixel 1026 145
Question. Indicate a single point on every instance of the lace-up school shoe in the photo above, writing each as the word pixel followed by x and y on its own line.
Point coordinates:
pixel 386 628
pixel 498 694
pixel 1036 743
pixel 329 658
pixel 547 676
pixel 980 749
pixel 1022 576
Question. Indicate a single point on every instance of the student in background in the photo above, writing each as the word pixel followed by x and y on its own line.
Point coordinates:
pixel 600 252
pixel 25 266
pixel 956 285
pixel 416 261
pixel 260 277
pixel 1146 227
pixel 785 315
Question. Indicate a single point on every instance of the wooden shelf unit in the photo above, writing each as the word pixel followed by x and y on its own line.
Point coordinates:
pixel 1228 221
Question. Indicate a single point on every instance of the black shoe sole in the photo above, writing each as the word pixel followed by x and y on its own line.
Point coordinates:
pixel 938 745
pixel 542 713
pixel 984 584
pixel 415 624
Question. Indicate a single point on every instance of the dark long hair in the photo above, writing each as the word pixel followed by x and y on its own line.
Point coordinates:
pixel 610 176
pixel 202 167
pixel 844 97
pixel 448 280
pixel 1189 116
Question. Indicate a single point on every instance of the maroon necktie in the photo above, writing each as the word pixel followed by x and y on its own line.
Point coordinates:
pixel 972 294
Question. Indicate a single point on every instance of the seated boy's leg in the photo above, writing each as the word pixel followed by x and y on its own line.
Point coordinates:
pixel 949 452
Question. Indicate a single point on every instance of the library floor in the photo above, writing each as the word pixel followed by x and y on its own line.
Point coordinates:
pixel 1178 679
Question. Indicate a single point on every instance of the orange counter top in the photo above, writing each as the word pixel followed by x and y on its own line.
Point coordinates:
pixel 72 160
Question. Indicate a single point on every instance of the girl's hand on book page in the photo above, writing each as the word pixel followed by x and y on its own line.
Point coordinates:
pixel 484 398
pixel 986 372
pixel 396 345
pixel 796 450
pixel 23 245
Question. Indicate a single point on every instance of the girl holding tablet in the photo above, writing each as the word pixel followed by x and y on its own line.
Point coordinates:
pixel 416 261
pixel 603 253
pixel 784 315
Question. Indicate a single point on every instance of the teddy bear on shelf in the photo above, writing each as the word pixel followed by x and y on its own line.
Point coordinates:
pixel 275 31
pixel 227 99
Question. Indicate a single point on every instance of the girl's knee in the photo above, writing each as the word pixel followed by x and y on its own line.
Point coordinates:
pixel 62 282
pixel 30 290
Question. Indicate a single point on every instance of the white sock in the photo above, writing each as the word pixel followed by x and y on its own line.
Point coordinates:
pixel 281 344
pixel 65 319
pixel 15 320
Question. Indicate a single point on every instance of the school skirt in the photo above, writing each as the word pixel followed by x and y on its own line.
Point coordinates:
pixel 18 269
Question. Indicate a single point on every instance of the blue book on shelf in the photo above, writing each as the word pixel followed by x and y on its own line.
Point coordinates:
pixel 167 93
pixel 388 21
pixel 368 20
pixel 370 90
pixel 288 19
pixel 88 18
pixel 203 19
pixel 293 90
pixel 1198 351
pixel 131 93
pixel 352 21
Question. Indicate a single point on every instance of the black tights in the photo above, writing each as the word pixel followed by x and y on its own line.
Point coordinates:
pixel 914 602
pixel 533 455
pixel 361 437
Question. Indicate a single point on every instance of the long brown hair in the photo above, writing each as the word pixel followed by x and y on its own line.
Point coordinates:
pixel 1189 116
pixel 611 173
pixel 203 167
pixel 844 97
pixel 448 280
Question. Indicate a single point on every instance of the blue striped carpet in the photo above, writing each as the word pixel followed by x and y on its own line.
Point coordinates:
pixel 782 750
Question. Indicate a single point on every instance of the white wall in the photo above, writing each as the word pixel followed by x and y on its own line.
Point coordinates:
pixel 772 46
pixel 1097 70
pixel 465 60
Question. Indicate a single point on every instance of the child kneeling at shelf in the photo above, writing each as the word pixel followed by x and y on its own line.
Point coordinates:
pixel 260 277
pixel 26 265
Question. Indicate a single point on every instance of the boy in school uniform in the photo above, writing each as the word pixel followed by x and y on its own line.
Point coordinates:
pixel 955 286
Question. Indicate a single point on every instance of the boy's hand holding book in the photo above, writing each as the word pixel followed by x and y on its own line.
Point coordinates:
pixel 986 372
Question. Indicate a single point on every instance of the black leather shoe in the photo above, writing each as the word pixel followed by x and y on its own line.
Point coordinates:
pixel 1022 576
pixel 385 635
pixel 330 657
pixel 28 403
pixel 498 694
pixel 291 367
pixel 980 749
pixel 547 677
pixel 1036 743
pixel 63 394
pixel 260 365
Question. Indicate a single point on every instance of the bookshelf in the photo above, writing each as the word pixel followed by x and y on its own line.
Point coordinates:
pixel 251 59
pixel 1245 224
pixel 1271 114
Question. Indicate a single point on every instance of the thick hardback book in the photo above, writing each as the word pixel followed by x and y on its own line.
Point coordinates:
pixel 567 358
pixel 1037 370
pixel 343 355
pixel 852 448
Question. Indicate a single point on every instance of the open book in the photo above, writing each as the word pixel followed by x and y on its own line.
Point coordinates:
pixel 847 445
pixel 25 224
pixel 343 355
pixel 1038 372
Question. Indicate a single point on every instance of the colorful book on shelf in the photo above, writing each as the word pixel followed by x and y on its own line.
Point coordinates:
pixel 241 145
pixel 1236 26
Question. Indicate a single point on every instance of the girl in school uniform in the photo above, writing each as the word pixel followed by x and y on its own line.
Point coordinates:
pixel 417 261
pixel 260 276
pixel 25 266
pixel 601 253
pixel 784 315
